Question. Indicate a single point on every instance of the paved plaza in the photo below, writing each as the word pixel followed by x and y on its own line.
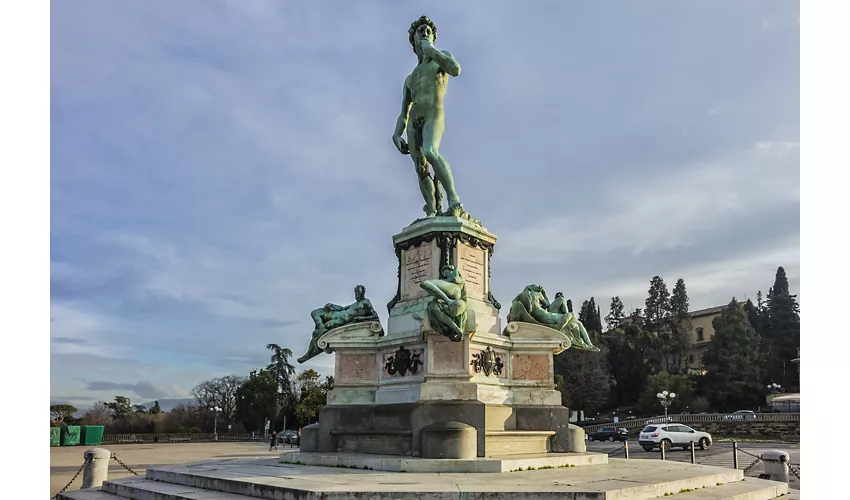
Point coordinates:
pixel 65 461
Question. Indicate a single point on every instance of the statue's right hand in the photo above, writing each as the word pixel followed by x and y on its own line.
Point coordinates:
pixel 401 145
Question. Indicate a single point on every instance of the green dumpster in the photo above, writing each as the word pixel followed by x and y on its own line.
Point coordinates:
pixel 92 435
pixel 70 435
pixel 54 436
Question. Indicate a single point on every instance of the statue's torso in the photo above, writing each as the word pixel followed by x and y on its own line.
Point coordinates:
pixel 427 85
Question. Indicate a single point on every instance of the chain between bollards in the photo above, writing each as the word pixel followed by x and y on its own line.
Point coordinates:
pixel 85 461
pixel 123 464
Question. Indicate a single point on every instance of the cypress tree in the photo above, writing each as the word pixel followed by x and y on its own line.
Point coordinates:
pixel 783 332
pixel 733 362
pixel 615 313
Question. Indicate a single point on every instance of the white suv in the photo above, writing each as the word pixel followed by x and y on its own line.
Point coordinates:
pixel 670 435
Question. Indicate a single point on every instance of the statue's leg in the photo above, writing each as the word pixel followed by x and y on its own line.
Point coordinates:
pixel 426 184
pixel 432 135
pixel 444 323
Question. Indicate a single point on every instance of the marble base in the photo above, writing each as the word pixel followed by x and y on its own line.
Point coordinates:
pixel 495 464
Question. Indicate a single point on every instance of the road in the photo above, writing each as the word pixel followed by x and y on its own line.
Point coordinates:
pixel 718 455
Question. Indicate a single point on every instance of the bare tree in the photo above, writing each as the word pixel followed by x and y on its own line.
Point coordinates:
pixel 98 414
pixel 218 392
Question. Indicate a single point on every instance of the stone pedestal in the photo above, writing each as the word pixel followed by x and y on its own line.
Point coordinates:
pixel 500 382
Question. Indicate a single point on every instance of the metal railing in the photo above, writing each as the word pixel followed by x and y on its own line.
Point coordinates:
pixel 165 438
pixel 696 417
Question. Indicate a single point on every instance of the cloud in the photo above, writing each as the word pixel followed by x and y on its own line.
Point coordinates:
pixel 218 173
pixel 144 389
pixel 668 209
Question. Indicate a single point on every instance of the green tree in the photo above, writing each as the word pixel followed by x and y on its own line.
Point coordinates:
pixel 139 409
pixel 615 313
pixel 676 338
pixel 657 304
pixel 311 398
pixel 120 408
pixel 586 381
pixel 60 412
pixel 155 409
pixel 678 384
pixel 327 385
pixel 256 400
pixel 282 369
pixel 782 333
pixel 630 352
pixel 733 362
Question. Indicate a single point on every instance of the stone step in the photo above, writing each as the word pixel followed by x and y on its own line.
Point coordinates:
pixel 139 488
pixel 620 479
pixel 87 494
pixel 513 442
pixel 746 489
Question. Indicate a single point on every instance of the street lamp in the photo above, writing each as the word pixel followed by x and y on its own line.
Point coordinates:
pixel 666 399
pixel 216 409
pixel 774 388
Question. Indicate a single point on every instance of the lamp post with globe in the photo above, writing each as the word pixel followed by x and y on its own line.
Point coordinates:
pixel 774 388
pixel 216 409
pixel 666 399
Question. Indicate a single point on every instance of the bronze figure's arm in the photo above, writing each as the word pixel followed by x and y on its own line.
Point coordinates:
pixel 401 123
pixel 444 58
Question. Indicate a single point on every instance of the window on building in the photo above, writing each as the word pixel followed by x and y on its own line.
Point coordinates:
pixel 690 358
pixel 700 335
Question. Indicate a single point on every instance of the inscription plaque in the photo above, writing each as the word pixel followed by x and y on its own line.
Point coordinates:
pixel 417 268
pixel 473 269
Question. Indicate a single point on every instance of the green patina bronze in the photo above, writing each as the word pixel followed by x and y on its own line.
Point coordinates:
pixel 332 316
pixel 423 119
pixel 447 310
pixel 533 306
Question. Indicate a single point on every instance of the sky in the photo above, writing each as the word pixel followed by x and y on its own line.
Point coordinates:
pixel 221 168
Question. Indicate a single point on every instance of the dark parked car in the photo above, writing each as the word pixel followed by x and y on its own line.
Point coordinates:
pixel 289 437
pixel 609 434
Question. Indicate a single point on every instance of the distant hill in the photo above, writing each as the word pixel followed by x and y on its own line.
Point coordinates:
pixel 169 404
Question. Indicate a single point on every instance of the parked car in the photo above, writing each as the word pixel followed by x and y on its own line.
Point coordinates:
pixel 289 437
pixel 670 435
pixel 609 434
pixel 741 415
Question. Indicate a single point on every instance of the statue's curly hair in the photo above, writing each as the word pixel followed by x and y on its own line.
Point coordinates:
pixel 415 24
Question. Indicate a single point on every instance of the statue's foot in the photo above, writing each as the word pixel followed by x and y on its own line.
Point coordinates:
pixel 456 210
pixel 456 338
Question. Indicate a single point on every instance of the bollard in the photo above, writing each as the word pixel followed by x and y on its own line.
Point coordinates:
pixel 693 453
pixel 663 453
pixel 626 447
pixel 96 468
pixel 734 455
pixel 775 466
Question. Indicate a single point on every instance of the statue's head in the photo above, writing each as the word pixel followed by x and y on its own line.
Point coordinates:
pixel 559 294
pixel 359 292
pixel 421 28
pixel 449 272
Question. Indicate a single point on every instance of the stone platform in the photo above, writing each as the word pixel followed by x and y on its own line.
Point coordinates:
pixel 391 463
pixel 243 479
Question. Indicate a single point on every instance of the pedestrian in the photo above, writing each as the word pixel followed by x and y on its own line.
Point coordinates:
pixel 273 443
